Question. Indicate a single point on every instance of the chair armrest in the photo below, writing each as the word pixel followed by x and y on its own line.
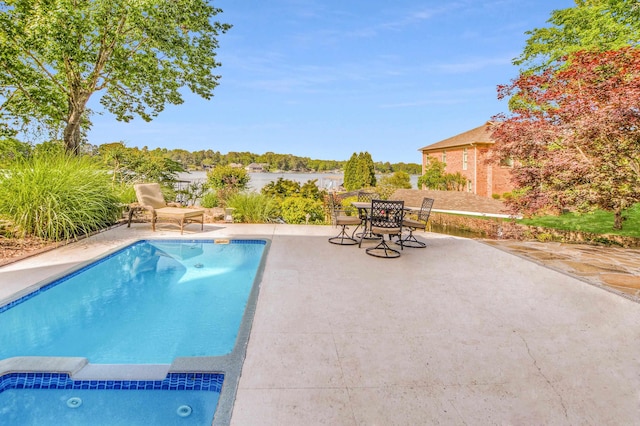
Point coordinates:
pixel 151 209
pixel 174 205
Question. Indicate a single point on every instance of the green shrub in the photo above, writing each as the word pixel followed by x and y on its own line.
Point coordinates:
pixel 296 209
pixel 251 207
pixel 57 197
pixel 228 177
pixel 126 193
pixel 210 200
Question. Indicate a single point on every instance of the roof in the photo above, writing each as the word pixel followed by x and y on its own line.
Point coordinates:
pixel 451 200
pixel 481 134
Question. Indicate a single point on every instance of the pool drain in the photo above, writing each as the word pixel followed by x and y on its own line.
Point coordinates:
pixel 184 411
pixel 198 265
pixel 74 402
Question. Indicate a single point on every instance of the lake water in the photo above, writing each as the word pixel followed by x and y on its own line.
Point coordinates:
pixel 258 180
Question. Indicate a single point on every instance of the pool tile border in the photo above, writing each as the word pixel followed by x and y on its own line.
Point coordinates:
pixel 173 381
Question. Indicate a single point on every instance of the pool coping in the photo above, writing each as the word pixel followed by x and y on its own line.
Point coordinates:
pixel 79 368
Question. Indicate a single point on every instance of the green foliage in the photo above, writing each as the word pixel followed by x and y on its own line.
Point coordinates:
pixel 210 200
pixel 359 172
pixel 310 190
pixel 435 177
pixel 227 177
pixel 399 180
pixel 57 197
pixel 272 161
pixel 281 188
pixel 284 188
pixel 126 194
pixel 251 207
pixel 12 149
pixel 132 165
pixel 597 222
pixel 296 209
pixel 592 25
pixel 138 55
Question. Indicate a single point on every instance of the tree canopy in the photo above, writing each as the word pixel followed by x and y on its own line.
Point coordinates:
pixel 575 134
pixel 359 172
pixel 597 25
pixel 55 55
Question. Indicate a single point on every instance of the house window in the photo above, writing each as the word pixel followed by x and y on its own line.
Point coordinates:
pixel 464 158
pixel 444 157
pixel 469 186
pixel 507 162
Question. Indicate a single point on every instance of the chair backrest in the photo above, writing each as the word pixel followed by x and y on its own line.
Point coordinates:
pixel 425 209
pixel 366 196
pixel 335 206
pixel 149 194
pixel 387 213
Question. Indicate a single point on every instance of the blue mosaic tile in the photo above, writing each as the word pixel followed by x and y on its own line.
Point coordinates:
pixel 174 381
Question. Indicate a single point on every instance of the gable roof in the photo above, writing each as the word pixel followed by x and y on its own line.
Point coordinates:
pixel 481 134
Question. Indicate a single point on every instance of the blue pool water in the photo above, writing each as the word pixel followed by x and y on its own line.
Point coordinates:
pixel 148 303
pixel 48 398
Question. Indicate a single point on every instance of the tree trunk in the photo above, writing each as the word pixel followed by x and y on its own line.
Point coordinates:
pixel 72 131
pixel 617 223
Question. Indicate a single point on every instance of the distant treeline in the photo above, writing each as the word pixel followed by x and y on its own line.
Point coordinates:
pixel 204 159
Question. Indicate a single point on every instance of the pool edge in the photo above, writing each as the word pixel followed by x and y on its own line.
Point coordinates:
pixel 230 365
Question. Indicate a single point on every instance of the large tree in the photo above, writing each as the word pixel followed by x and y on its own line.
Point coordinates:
pixel 359 172
pixel 597 25
pixel 55 54
pixel 575 134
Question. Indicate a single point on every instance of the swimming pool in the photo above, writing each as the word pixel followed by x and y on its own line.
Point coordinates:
pixel 147 303
pixel 43 398
pixel 174 306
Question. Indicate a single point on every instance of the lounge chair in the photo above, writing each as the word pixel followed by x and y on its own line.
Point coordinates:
pixel 419 223
pixel 150 199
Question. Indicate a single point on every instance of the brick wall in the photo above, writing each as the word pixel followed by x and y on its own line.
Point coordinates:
pixel 486 178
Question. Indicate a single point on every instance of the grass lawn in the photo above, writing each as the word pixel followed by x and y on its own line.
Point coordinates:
pixel 598 222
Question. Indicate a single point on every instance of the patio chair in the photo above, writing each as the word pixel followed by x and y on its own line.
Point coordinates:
pixel 340 218
pixel 365 197
pixel 150 199
pixel 419 223
pixel 385 219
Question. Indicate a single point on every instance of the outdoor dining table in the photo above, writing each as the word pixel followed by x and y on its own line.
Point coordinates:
pixel 364 208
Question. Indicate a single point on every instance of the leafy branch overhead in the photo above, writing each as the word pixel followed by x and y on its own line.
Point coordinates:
pixel 138 54
pixel 594 25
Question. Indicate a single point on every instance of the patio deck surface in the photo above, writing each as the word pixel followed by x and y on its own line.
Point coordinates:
pixel 457 333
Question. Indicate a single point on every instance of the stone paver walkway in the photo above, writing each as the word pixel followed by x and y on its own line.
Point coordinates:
pixel 613 268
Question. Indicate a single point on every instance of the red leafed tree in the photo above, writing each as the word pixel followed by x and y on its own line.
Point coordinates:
pixel 574 134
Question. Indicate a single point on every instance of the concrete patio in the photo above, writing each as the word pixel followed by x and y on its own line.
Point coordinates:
pixel 456 333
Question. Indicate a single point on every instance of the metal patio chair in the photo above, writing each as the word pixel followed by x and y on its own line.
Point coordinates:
pixel 366 197
pixel 340 218
pixel 385 219
pixel 419 223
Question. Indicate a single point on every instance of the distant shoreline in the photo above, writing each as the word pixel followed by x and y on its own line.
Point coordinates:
pixel 325 180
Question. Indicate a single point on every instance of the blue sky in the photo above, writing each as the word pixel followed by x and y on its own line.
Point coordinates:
pixel 327 78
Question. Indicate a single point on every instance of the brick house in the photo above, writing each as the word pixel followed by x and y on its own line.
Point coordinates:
pixel 467 153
